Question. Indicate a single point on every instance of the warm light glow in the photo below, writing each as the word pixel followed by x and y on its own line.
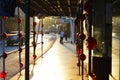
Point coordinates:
pixel 36 19
pixel 49 69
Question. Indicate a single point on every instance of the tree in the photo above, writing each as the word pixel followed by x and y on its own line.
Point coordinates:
pixel 116 8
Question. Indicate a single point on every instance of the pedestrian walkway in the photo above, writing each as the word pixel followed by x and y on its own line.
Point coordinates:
pixel 59 63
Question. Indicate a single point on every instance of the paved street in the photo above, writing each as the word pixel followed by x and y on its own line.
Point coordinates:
pixel 116 58
pixel 12 61
pixel 12 48
pixel 59 63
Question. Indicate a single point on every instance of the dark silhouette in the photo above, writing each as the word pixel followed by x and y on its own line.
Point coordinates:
pixel 61 36
pixel 66 35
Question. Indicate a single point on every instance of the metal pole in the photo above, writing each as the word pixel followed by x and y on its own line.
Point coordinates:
pixel 42 39
pixel 81 31
pixel 27 27
pixel 79 63
pixel 82 50
pixel 90 35
pixel 19 41
pixel 37 33
pixel 3 40
pixel 34 44
pixel 119 57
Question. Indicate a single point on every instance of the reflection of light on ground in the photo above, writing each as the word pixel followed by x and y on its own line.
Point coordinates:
pixel 115 67
pixel 48 69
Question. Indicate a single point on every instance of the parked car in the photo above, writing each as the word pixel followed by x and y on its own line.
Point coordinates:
pixel 46 31
pixel 13 38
